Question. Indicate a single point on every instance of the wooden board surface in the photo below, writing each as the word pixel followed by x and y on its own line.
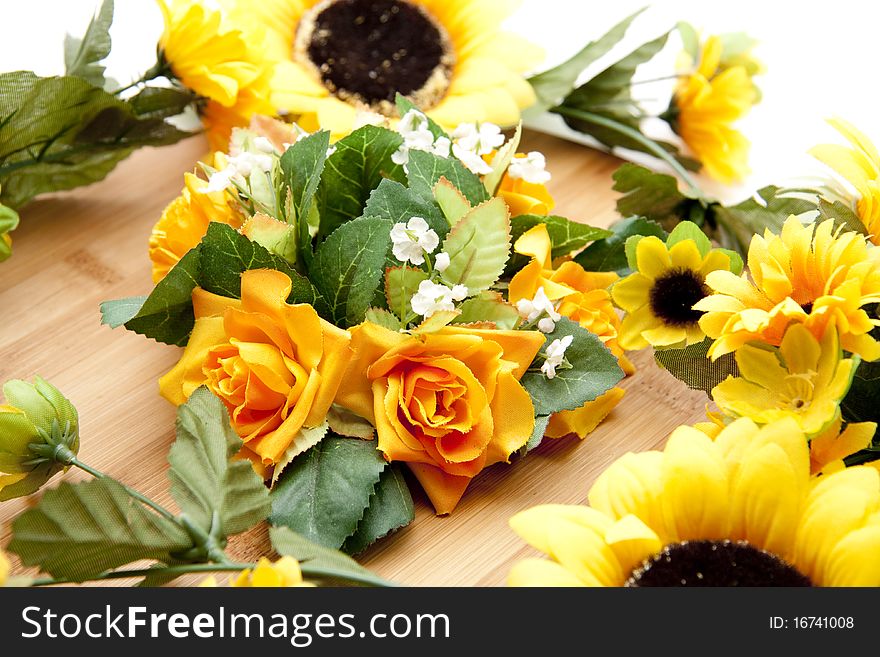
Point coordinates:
pixel 77 249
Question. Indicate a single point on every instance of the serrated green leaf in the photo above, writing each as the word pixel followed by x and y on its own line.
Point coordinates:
pixel 594 371
pixel 478 246
pixel 425 169
pixel 383 318
pixel 554 85
pixel 360 162
pixel 286 542
pixel 62 132
pixel 652 195
pixel 207 484
pixel 348 267
pixel 609 254
pixel 303 441
pixel 323 494
pixel 488 307
pixel 167 314
pixel 404 105
pixel 302 165
pixel 82 57
pixel 452 202
pixel 842 215
pixel 541 422
pixel 693 366
pixel 117 312
pixel 345 423
pixel 390 508
pixel 687 230
pixel 391 200
pixel 161 102
pixel 78 531
pixel 401 284
pixel 501 161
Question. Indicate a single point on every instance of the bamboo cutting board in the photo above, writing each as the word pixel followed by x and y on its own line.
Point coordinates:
pixel 77 249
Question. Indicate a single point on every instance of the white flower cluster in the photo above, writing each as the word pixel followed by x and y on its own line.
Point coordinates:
pixel 471 141
pixel 413 127
pixel 532 168
pixel 412 240
pixel 555 355
pixel 241 163
pixel 432 297
pixel 532 309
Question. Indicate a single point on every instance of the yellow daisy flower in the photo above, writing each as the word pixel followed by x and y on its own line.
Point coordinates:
pixel 804 380
pixel 860 167
pixel 667 280
pixel 185 220
pixel 217 62
pixel 832 446
pixel 809 274
pixel 704 106
pixel 448 57
pixel 741 510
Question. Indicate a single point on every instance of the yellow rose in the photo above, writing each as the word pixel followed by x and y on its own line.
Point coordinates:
pixel 524 197
pixel 448 403
pixel 276 366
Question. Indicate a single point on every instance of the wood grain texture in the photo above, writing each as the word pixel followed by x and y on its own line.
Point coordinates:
pixel 77 249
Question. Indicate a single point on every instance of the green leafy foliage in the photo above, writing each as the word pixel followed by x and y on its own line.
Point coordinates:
pixel 391 200
pixel 594 371
pixel 221 495
pixel 452 202
pixel 63 132
pixel 117 312
pixel 82 57
pixel 537 436
pixel 384 318
pixel 478 246
pixel 161 102
pixel 401 284
pixel 609 254
pixel 317 557
pixel 693 366
pixel 841 214
pixel 324 493
pixel 566 236
pixel 426 169
pixel 301 166
pixel 654 196
pixel 389 509
pixel 352 172
pixel 488 306
pixel 78 531
pixel 348 267
pixel 552 86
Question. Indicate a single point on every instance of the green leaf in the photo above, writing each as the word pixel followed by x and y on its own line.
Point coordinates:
pixel 594 371
pixel 687 230
pixel 609 254
pixel 501 161
pixel 488 306
pixel 383 318
pixel 693 366
pixel 452 202
pixel 348 267
pixel 324 493
pixel 117 312
pixel 303 441
pixel 541 422
pixel 221 495
pixel 566 236
pixel 654 196
pixel 690 39
pixel 401 284
pixel 286 542
pixel 167 314
pixel 82 56
pixel 161 102
pixel 62 132
pixel 78 531
pixel 478 246
pixel 390 508
pixel 842 215
pixel 391 200
pixel 554 85
pixel 426 169
pixel 360 162
pixel 404 105
pixel 302 165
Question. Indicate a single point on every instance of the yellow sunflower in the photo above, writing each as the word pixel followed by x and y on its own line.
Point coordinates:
pixel 218 62
pixel 804 380
pixel 860 167
pixel 809 274
pixel 185 220
pixel 448 56
pixel 704 107
pixel 667 280
pixel 741 510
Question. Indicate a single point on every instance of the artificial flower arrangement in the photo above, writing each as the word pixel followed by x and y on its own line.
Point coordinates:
pixel 322 64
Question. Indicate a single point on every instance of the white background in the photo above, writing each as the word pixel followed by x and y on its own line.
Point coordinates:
pixel 821 57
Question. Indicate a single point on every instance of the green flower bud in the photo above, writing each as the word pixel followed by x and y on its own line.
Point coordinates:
pixel 39 436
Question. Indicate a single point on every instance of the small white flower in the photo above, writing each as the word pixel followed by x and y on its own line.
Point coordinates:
pixel 331 150
pixel 532 309
pixel 417 136
pixel 263 145
pixel 482 139
pixel 441 147
pixel 441 263
pixel 432 297
pixel 555 355
pixel 531 168
pixel 412 240
pixel 219 180
pixel 365 117
pixel 471 160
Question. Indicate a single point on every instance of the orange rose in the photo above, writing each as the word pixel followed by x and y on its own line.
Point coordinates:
pixel 525 198
pixel 276 366
pixel 447 403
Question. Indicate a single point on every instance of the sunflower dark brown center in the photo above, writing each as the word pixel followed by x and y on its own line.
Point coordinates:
pixel 673 295
pixel 715 563
pixel 365 51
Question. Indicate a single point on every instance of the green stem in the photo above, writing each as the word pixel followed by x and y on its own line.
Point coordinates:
pixel 650 145
pixel 160 69
pixel 97 474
